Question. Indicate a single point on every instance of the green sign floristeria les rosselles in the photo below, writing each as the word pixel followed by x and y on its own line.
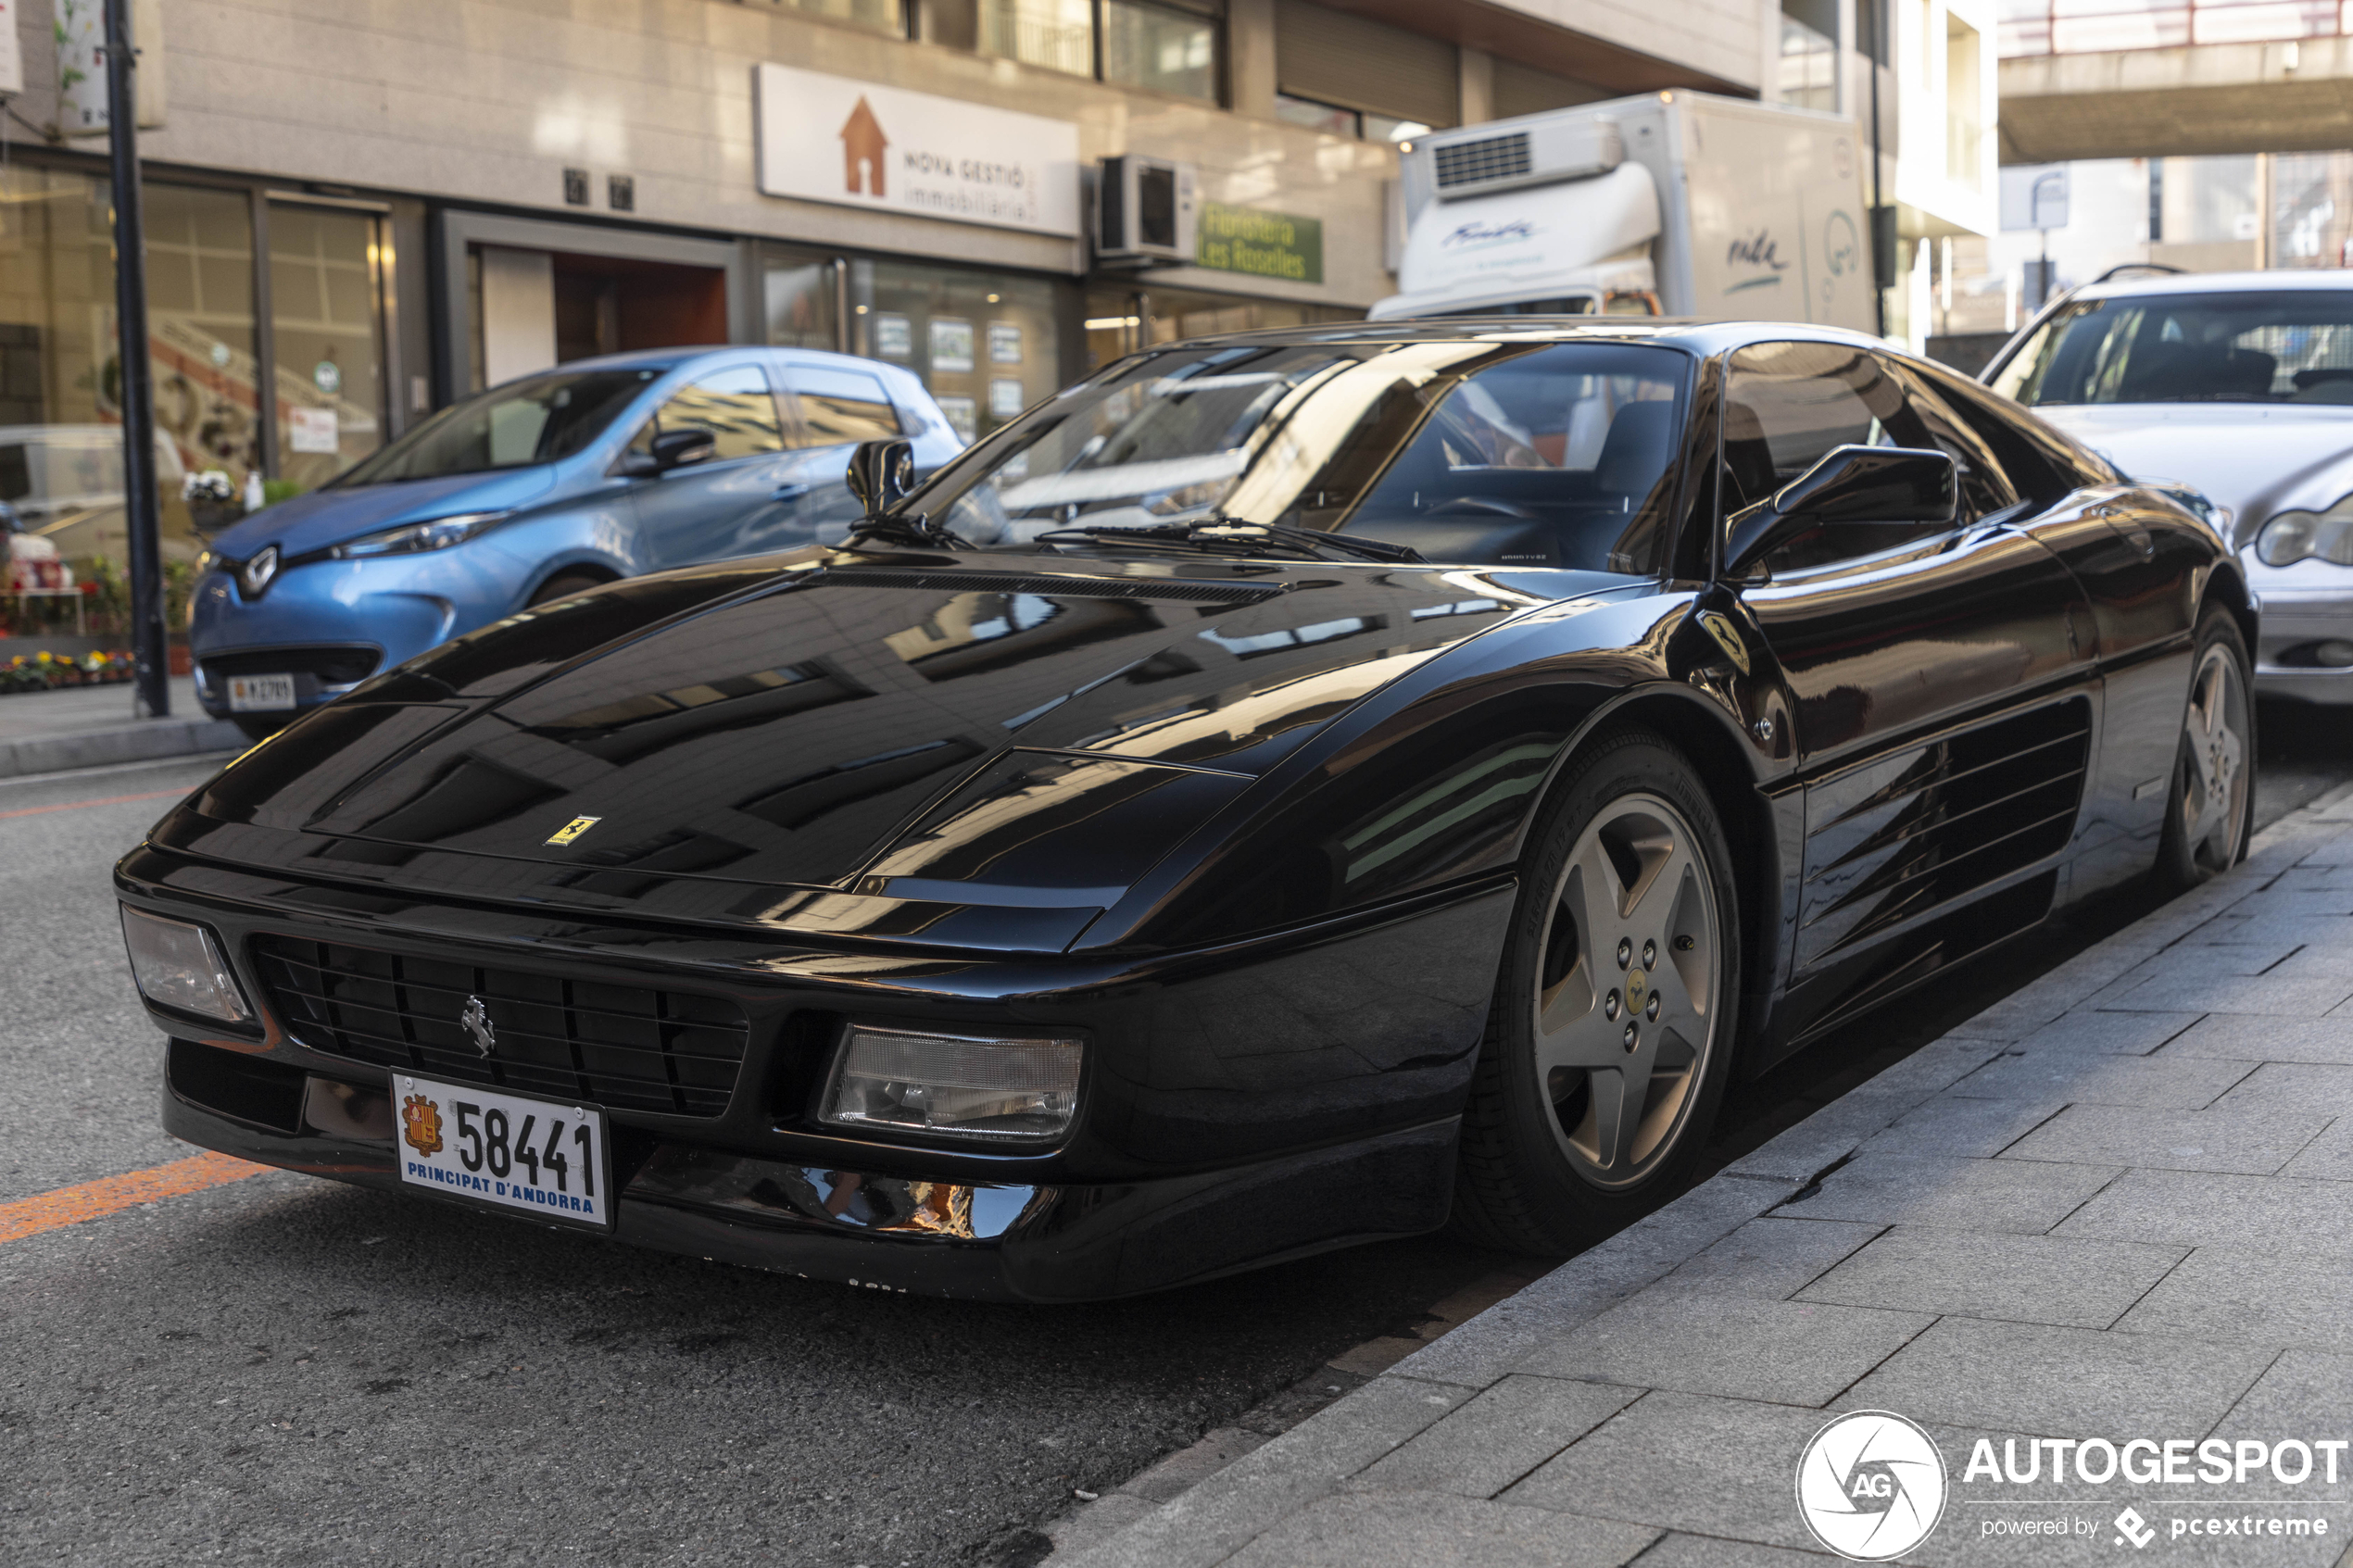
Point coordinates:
pixel 1264 244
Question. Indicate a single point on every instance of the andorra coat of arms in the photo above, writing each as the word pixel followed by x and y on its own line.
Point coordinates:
pixel 421 1124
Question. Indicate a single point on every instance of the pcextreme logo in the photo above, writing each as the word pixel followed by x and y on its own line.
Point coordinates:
pixel 1870 1486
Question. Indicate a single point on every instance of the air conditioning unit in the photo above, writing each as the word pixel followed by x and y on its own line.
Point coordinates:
pixel 1536 151
pixel 1144 210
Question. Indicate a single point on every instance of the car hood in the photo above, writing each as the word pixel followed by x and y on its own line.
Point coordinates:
pixel 990 734
pixel 2254 458
pixel 321 518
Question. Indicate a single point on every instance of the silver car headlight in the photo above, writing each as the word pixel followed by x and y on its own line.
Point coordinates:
pixel 413 537
pixel 180 965
pixel 1008 1091
pixel 2293 536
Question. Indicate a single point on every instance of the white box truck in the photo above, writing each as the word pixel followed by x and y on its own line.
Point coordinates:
pixel 1673 203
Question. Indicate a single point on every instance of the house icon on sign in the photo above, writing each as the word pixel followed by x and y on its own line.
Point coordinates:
pixel 863 143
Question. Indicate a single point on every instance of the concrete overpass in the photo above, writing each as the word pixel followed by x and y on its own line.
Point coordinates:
pixel 2280 95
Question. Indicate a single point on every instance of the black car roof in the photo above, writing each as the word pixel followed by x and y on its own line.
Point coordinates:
pixel 1701 338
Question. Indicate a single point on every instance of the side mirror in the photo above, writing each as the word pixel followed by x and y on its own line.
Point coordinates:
pixel 671 449
pixel 881 473
pixel 1861 484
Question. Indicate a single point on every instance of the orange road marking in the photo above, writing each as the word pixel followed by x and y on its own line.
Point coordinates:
pixel 108 1195
pixel 103 800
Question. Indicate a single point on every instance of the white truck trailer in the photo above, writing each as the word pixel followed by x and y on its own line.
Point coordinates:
pixel 1673 203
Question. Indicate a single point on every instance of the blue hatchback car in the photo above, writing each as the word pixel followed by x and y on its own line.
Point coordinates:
pixel 532 490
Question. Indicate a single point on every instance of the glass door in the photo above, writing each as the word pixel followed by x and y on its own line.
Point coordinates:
pixel 327 331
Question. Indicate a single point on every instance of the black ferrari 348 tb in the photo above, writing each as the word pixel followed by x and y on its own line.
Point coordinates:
pixel 1289 790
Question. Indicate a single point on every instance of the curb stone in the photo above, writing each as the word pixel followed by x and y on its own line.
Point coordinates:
pixel 1222 1515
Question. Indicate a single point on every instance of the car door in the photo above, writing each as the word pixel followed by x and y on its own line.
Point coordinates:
pixel 836 406
pixel 1936 684
pixel 2140 575
pixel 730 504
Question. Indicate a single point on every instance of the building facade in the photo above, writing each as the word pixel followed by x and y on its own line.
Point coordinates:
pixel 357 213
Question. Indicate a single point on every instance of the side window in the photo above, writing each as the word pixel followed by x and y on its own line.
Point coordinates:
pixel 840 406
pixel 2042 466
pixel 735 405
pixel 1985 486
pixel 1785 406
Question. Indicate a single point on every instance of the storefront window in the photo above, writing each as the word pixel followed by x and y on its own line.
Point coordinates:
pixel 1058 34
pixel 1123 322
pixel 1152 46
pixel 801 300
pixel 60 408
pixel 983 342
pixel 325 319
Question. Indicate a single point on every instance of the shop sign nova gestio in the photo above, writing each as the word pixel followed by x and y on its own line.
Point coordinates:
pixel 856 143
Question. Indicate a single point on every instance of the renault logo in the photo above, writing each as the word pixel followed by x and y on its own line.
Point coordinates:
pixel 476 1022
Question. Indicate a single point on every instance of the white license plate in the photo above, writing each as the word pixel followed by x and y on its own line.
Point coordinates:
pixel 511 1151
pixel 260 694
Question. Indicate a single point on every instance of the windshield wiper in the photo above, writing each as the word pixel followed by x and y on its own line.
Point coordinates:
pixel 910 528
pixel 1231 536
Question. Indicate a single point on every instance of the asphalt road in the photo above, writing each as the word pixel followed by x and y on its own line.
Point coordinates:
pixel 285 1371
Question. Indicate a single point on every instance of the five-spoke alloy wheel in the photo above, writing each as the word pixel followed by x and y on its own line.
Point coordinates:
pixel 2209 809
pixel 1611 1033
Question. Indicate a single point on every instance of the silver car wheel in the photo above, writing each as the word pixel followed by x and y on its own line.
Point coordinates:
pixel 2215 775
pixel 1626 1009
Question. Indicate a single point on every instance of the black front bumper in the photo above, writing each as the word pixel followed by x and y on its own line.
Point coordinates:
pixel 1275 1099
pixel 988 1241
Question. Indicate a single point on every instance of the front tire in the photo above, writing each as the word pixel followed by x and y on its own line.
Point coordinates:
pixel 1610 1037
pixel 2209 810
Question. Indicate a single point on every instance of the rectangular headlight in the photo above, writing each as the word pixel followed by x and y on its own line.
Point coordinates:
pixel 179 965
pixel 1004 1091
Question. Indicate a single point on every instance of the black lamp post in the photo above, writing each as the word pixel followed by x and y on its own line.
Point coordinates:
pixel 135 384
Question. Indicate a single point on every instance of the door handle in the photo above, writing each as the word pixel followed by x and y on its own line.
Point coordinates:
pixel 790 492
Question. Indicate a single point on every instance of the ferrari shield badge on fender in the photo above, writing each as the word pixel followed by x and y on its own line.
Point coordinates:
pixel 573 829
pixel 1717 625
pixel 421 1124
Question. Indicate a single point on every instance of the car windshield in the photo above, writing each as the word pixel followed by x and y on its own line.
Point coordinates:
pixel 535 421
pixel 1468 451
pixel 2253 347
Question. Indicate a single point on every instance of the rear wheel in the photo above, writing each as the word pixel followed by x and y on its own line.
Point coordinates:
pixel 562 586
pixel 2209 811
pixel 1611 1033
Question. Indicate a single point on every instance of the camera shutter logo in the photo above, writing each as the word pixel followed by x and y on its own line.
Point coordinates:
pixel 1870 1486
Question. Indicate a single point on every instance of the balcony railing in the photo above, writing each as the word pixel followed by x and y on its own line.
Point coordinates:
pixel 2082 26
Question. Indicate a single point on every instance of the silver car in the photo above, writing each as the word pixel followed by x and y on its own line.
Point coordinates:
pixel 2238 385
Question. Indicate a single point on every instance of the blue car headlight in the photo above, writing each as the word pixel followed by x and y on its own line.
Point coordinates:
pixel 412 538
pixel 2293 536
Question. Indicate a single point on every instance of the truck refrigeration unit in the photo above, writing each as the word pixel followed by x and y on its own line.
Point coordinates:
pixel 1673 203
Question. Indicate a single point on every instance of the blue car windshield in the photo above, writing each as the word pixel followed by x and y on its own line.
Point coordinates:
pixel 540 419
pixel 1484 450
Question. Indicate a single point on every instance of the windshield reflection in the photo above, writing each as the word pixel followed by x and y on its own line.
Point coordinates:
pixel 1525 455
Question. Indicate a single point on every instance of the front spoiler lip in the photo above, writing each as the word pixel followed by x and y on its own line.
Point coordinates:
pixel 1042 1244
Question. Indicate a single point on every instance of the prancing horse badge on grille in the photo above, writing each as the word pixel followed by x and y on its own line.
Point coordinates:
pixel 476 1020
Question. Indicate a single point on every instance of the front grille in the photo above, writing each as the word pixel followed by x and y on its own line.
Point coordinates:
pixel 1490 158
pixel 628 1047
pixel 333 665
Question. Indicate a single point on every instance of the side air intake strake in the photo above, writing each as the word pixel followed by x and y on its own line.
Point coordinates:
pixel 1894 841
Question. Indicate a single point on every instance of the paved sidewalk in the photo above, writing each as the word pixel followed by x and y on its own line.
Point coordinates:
pixel 92 726
pixel 2118 1205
